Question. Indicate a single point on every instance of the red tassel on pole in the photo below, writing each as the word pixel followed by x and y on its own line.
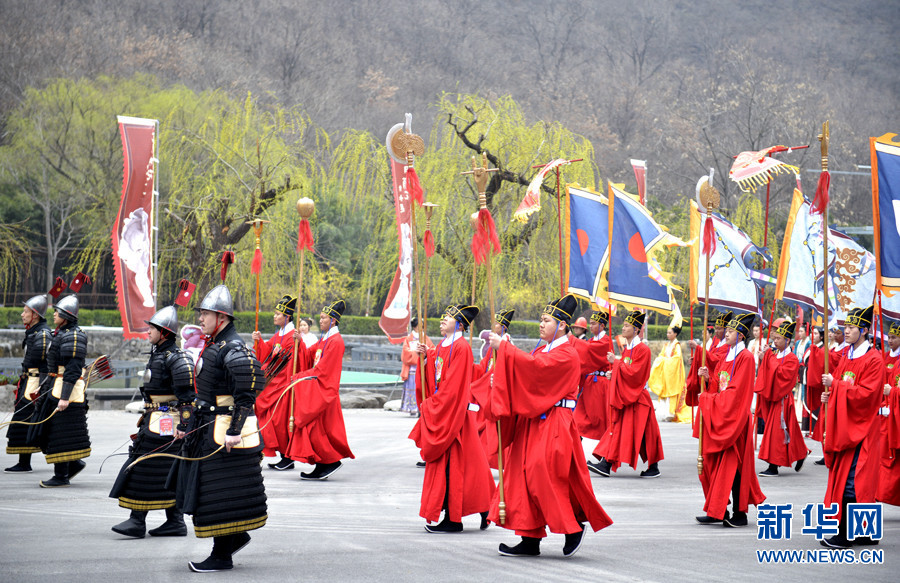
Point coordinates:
pixel 428 243
pixel 709 237
pixel 304 236
pixel 256 265
pixel 488 231
pixel 413 186
pixel 479 251
pixel 820 202
pixel 227 259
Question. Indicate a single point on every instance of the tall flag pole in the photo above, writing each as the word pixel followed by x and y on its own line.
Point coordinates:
pixel 256 269
pixel 708 198
pixel 305 208
pixel 485 244
pixel 473 221
pixel 820 206
pixel 428 244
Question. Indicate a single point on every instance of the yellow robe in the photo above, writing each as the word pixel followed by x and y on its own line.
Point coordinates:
pixel 667 381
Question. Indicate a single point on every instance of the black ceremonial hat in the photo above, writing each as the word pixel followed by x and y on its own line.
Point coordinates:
pixel 861 317
pixel 742 323
pixel 462 313
pixel 636 319
pixel 787 329
pixel 563 308
pixel 504 317
pixel 335 309
pixel 287 305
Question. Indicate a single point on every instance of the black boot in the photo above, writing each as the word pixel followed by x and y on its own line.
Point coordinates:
pixel 651 472
pixel 173 526
pixel 445 526
pixel 219 559
pixel 135 526
pixel 839 541
pixel 321 471
pixel 484 521
pixel 529 547
pixel 769 472
pixel 23 467
pixel 601 469
pixel 285 463
pixel 60 477
pixel 573 542
pixel 75 468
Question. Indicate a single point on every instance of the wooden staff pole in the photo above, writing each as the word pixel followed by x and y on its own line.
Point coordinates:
pixel 709 198
pixel 429 210
pixel 473 220
pixel 305 207
pixel 823 139
pixel 482 176
pixel 257 231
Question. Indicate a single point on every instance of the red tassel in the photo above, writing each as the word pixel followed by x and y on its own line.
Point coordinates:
pixel 256 265
pixel 428 243
pixel 227 259
pixel 413 186
pixel 709 237
pixel 304 236
pixel 479 252
pixel 820 202
pixel 488 231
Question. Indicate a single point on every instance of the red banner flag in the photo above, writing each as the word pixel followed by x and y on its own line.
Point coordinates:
pixel 640 174
pixel 131 234
pixel 185 290
pixel 395 315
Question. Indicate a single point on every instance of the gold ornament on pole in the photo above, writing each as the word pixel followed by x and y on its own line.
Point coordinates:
pixel 305 208
pixel 708 198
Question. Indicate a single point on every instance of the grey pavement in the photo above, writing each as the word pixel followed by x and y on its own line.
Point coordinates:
pixel 362 524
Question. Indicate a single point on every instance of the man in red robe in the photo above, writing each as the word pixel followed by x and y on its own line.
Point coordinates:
pixel 727 438
pixel 457 479
pixel 852 425
pixel 633 429
pixel 716 349
pixel 592 410
pixel 273 403
pixel 545 481
pixel 837 348
pixel 319 436
pixel 782 443
pixel 481 381
pixel 889 483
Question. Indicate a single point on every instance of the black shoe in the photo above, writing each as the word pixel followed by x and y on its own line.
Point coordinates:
pixel 820 462
pixel 285 463
pixel 529 547
pixel 55 482
pixel 18 469
pixel 445 526
pixel 573 543
pixel 135 526
pixel 420 464
pixel 651 472
pixel 835 542
pixel 601 469
pixel 76 467
pixel 736 520
pixel 321 472
pixel 710 519
pixel 239 541
pixel 173 526
pixel 211 565
pixel 484 521
pixel 799 465
pixel 770 472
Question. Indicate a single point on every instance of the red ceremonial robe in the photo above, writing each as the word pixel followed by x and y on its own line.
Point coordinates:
pixel 545 474
pixel 782 443
pixel 633 429
pixel 273 403
pixel 592 410
pixel 815 388
pixel 447 435
pixel 319 435
pixel 481 381
pixel 853 423
pixel 728 437
pixel 889 483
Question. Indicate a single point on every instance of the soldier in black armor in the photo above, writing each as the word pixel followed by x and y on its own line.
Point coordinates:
pixel 34 369
pixel 64 437
pixel 224 492
pixel 168 388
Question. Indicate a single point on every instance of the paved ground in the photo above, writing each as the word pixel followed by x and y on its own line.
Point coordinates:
pixel 362 525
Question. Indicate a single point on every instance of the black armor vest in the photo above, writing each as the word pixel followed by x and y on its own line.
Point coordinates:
pixel 170 371
pixel 68 349
pixel 36 344
pixel 228 367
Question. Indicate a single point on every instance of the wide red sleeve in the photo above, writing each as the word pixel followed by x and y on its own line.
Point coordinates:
pixel 480 369
pixel 776 378
pixel 725 409
pixel 815 368
pixel 852 405
pixel 313 396
pixel 592 354
pixel 629 378
pixel 264 348
pixel 443 411
pixel 529 385
pixel 893 420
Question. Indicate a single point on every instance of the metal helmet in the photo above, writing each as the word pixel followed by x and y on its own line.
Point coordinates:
pixel 166 319
pixel 38 304
pixel 218 300
pixel 68 307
